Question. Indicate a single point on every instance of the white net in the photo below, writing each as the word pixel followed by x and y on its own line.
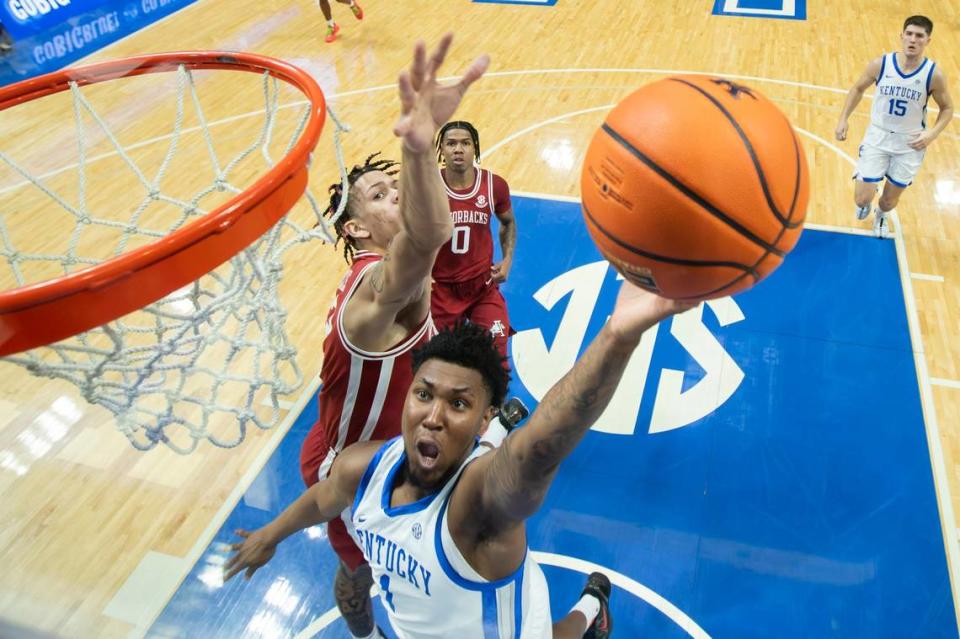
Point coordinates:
pixel 212 359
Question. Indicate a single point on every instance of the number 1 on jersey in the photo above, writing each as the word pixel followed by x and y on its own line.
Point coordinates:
pixel 387 595
pixel 460 242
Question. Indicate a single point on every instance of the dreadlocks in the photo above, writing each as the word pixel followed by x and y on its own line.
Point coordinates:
pixel 336 192
pixel 459 124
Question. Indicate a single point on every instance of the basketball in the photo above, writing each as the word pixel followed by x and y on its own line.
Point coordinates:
pixel 695 187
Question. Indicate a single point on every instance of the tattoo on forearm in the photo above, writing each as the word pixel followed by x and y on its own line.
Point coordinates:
pixel 577 400
pixel 352 593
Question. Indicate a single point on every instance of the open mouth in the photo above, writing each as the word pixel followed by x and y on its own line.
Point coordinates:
pixel 429 452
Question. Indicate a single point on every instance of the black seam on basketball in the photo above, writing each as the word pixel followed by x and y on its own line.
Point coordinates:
pixel 700 296
pixel 752 271
pixel 662 258
pixel 685 190
pixel 746 142
pixel 793 205
pixel 796 187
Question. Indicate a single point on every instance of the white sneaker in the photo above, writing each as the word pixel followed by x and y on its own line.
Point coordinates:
pixel 881 224
pixel 863 212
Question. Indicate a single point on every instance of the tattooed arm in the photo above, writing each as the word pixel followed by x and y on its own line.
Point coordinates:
pixel 508 486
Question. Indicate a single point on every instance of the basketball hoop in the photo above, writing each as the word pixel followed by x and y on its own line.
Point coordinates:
pixel 49 311
pixel 135 331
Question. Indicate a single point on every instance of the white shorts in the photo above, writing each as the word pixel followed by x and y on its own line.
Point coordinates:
pixel 884 154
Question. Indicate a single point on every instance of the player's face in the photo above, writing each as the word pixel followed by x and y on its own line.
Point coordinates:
pixel 457 150
pixel 376 205
pixel 445 410
pixel 914 40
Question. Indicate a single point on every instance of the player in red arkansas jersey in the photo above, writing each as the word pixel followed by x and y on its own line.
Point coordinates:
pixel 466 282
pixel 392 230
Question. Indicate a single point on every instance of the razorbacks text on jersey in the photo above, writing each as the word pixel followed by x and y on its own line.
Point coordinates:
pixel 469 253
pixel 427 587
pixel 900 103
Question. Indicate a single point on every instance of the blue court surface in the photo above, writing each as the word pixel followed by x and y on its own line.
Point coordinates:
pixel 763 470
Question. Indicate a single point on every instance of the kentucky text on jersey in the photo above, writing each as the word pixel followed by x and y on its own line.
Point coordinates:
pixel 470 217
pixel 394 559
pixel 902 92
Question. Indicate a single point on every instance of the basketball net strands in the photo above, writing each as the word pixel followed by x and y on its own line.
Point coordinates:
pixel 162 305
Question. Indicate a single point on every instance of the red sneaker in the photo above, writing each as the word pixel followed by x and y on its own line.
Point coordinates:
pixel 357 10
pixel 332 32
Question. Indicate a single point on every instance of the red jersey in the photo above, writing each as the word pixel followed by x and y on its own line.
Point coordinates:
pixel 469 253
pixel 363 392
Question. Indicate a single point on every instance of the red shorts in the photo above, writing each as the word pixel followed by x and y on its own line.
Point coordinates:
pixel 339 530
pixel 478 300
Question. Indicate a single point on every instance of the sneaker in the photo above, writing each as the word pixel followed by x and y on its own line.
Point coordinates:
pixel 863 212
pixel 881 224
pixel 599 586
pixel 357 10
pixel 332 32
pixel 512 413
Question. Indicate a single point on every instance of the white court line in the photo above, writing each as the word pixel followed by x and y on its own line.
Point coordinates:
pixel 946 383
pixel 927 277
pixel 283 404
pixel 392 86
pixel 635 588
pixel 203 541
pixel 534 127
pixel 941 478
pixel 849 230
pixel 546 196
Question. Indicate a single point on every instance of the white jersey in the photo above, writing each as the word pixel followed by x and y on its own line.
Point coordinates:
pixel 900 104
pixel 426 585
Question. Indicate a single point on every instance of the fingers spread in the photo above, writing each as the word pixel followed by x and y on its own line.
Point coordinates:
pixel 476 70
pixel 439 54
pixel 407 93
pixel 418 68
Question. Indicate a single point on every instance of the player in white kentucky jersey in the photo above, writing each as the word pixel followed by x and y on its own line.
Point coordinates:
pixel 896 140
pixel 443 526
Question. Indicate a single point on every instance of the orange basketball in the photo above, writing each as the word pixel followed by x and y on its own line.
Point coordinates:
pixel 695 187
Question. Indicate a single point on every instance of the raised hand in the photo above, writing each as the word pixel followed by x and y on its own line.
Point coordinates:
pixel 252 553
pixel 637 310
pixel 426 105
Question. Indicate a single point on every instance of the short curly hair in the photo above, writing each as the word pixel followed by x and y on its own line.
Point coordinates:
pixel 470 346
pixel 336 193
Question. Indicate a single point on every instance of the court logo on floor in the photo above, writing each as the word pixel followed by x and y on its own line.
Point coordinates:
pixel 781 9
pixel 539 366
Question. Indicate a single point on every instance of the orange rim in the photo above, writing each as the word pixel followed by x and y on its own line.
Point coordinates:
pixel 55 309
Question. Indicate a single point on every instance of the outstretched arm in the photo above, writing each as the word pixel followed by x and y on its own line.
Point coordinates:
pixel 322 502
pixel 868 77
pixel 402 278
pixel 510 484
